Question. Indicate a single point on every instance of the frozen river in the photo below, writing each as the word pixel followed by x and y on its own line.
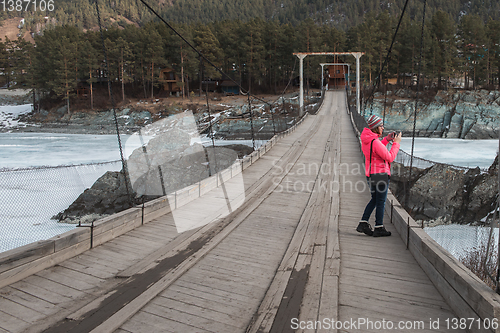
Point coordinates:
pixel 466 153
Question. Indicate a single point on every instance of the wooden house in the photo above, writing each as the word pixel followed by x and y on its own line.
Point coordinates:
pixel 170 80
pixel 337 76
pixel 229 88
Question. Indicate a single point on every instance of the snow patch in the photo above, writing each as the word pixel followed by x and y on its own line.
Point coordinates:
pixel 9 115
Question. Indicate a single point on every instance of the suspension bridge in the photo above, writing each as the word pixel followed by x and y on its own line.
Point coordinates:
pixel 282 257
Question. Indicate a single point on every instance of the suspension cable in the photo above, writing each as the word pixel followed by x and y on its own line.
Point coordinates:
pixel 113 104
pixel 251 120
pixel 407 195
pixel 200 53
pixel 385 95
pixel 216 167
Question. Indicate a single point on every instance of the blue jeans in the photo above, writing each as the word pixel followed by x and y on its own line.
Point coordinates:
pixel 379 195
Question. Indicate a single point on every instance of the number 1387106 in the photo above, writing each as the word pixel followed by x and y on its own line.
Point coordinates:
pixel 26 5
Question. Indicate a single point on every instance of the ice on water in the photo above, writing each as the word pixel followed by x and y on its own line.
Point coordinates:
pixel 466 153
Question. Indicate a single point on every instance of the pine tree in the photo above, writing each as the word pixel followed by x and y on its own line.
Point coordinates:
pixel 206 42
pixel 89 65
pixel 472 38
pixel 493 46
pixel 55 61
pixel 443 48
pixel 22 61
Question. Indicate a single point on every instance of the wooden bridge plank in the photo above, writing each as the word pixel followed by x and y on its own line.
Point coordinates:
pixel 207 310
pixel 177 318
pixel 222 299
pixel 430 301
pixel 228 275
pixel 12 324
pixel 53 286
pixel 238 265
pixel 98 271
pixel 39 292
pixel 225 285
pixel 204 288
pixel 149 323
pixel 71 278
pixel 240 268
pixel 109 255
pixel 20 311
pixel 240 254
pixel 109 263
pixel 28 300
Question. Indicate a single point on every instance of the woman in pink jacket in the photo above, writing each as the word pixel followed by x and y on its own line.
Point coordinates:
pixel 378 172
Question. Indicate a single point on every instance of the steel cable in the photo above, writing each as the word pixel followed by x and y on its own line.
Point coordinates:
pixel 377 80
pixel 407 195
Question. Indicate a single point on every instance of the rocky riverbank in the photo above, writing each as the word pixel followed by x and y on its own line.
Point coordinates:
pixel 442 194
pixel 229 115
pixel 445 114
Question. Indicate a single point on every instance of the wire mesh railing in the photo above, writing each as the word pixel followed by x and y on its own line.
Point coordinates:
pixel 31 197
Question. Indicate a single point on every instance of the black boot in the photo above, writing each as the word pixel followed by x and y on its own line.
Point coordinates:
pixel 381 232
pixel 365 227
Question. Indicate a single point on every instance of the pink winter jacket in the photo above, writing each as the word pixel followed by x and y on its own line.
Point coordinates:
pixel 381 157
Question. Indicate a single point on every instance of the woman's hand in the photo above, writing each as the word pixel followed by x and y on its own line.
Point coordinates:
pixel 397 138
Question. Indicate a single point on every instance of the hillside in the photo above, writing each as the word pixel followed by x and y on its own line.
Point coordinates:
pixel 11 30
pixel 341 14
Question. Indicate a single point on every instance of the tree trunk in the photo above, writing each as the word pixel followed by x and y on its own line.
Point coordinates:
pixel 91 91
pixel 67 85
pixel 201 76
pixel 251 62
pixel 498 77
pixel 67 101
pixel 182 74
pixel 123 83
pixel 152 78
pixel 143 78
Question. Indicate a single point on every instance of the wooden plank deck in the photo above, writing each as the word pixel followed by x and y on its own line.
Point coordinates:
pixel 379 278
pixel 290 251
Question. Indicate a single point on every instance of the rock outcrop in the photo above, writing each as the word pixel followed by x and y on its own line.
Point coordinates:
pixel 447 193
pixel 107 196
pixel 448 114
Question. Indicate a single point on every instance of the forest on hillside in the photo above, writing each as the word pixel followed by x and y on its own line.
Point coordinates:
pixel 258 54
pixel 341 14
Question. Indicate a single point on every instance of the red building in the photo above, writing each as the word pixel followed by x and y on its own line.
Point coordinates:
pixel 337 75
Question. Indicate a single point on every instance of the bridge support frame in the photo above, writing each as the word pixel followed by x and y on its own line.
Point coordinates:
pixel 302 55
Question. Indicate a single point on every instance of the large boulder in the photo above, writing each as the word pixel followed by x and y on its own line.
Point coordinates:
pixel 447 193
pixel 482 194
pixel 185 168
pixel 107 196
pixel 437 193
